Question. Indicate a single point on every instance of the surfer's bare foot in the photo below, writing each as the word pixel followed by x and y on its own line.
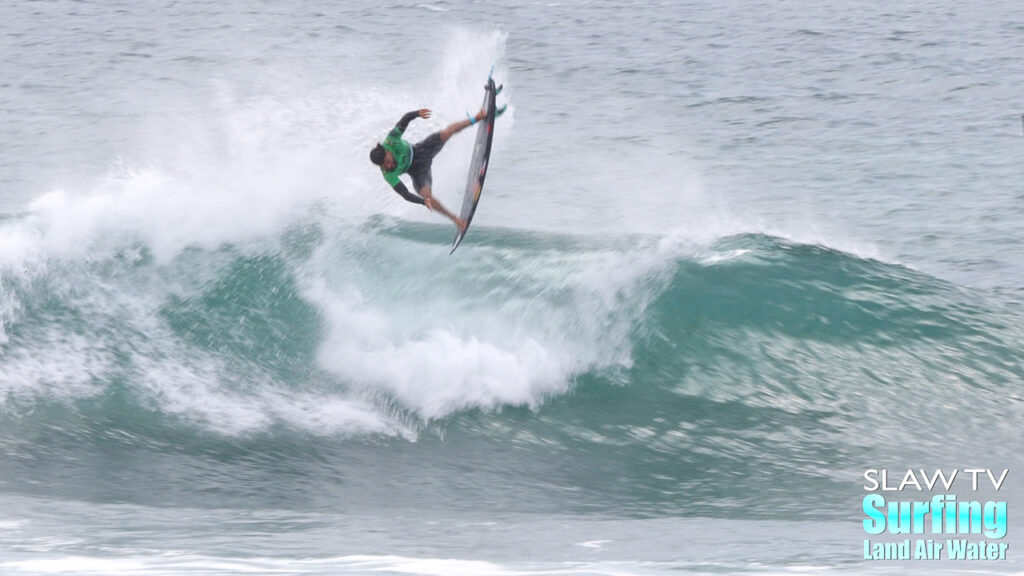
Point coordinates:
pixel 460 224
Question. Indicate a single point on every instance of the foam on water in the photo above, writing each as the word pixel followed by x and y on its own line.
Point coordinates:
pixel 225 345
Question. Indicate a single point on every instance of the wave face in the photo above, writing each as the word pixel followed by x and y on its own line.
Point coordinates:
pixel 721 267
pixel 360 365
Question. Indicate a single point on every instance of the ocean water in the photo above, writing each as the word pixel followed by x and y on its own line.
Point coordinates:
pixel 729 256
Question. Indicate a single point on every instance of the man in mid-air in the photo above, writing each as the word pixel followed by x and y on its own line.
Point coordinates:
pixel 395 157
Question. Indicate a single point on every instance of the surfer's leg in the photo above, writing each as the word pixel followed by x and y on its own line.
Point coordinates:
pixel 456 127
pixel 422 181
pixel 424 152
pixel 433 204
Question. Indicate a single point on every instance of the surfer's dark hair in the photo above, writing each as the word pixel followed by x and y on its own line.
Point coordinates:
pixel 377 155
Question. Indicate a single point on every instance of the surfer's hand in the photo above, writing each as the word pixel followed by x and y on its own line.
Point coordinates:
pixel 424 113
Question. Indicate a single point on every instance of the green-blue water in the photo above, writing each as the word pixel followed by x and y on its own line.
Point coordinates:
pixel 721 268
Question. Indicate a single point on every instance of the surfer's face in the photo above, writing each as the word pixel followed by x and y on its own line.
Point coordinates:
pixel 389 162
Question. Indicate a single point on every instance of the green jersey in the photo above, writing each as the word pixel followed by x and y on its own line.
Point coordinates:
pixel 400 150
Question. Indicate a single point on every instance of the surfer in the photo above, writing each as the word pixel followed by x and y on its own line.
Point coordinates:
pixel 395 156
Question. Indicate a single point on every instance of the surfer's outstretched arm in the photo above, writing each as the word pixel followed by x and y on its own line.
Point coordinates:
pixel 428 200
pixel 409 117
pixel 409 196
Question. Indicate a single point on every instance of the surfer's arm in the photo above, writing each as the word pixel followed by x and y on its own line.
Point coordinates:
pixel 409 117
pixel 409 196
